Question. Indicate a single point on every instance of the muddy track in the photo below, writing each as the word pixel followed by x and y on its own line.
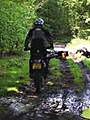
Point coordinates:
pixel 86 91
pixel 86 73
pixel 67 77
pixel 58 102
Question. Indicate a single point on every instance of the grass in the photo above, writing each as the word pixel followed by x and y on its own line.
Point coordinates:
pixel 55 68
pixel 86 114
pixel 13 73
pixel 77 73
pixel 87 62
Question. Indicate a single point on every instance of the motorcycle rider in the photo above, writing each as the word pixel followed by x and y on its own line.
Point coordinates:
pixel 32 43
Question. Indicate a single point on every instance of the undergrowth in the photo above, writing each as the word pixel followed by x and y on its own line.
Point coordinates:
pixel 87 62
pixel 77 73
pixel 55 68
pixel 13 73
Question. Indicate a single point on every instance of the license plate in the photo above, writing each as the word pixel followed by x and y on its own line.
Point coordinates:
pixel 36 66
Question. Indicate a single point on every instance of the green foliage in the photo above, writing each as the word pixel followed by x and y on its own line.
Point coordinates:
pixel 56 17
pixel 13 73
pixel 62 17
pixel 55 68
pixel 87 62
pixel 16 18
pixel 86 114
pixel 54 62
pixel 77 73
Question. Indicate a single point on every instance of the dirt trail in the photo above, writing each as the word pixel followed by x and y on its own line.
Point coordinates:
pixel 58 102
pixel 67 78
pixel 86 92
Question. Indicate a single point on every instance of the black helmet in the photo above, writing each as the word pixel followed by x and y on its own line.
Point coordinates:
pixel 40 22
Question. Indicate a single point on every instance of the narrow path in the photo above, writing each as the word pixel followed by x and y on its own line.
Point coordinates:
pixel 86 92
pixel 67 78
pixel 58 102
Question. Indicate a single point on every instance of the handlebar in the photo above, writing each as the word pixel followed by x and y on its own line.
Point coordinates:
pixel 52 54
pixel 57 54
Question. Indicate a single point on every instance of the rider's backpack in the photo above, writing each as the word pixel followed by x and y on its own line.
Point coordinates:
pixel 39 39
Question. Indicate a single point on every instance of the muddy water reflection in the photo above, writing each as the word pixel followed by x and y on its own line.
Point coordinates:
pixel 53 105
pixel 86 99
pixel 65 105
pixel 55 102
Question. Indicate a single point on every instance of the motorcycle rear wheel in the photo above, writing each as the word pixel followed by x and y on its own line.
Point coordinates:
pixel 38 82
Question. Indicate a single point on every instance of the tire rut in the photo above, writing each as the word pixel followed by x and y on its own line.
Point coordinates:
pixel 67 78
pixel 86 91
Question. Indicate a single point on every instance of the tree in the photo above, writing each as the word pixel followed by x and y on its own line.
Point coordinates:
pixel 16 18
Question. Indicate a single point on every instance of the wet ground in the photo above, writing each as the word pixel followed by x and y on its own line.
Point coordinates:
pixel 61 101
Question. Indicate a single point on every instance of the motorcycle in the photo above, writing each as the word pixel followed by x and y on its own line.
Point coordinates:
pixel 39 68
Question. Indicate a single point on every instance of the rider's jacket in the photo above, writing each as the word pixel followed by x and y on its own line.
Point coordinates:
pixel 28 39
